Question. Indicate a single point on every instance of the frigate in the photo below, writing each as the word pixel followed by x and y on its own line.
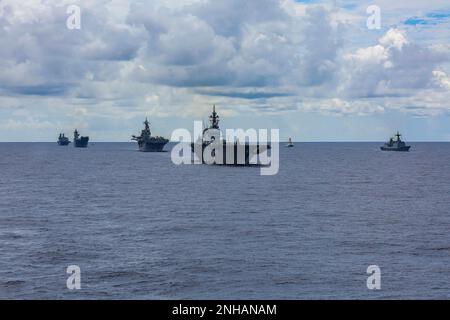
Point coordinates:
pixel 63 140
pixel 395 145
pixel 78 141
pixel 147 143
pixel 239 153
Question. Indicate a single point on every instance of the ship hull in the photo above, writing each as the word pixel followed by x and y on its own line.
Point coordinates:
pixel 250 151
pixel 63 143
pixel 81 143
pixel 152 147
pixel 400 149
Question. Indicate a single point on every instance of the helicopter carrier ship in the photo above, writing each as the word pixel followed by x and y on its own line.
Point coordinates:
pixel 147 143
pixel 246 150
pixel 78 141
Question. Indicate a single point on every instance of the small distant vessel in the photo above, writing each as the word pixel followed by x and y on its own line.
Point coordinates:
pixel 79 142
pixel 209 135
pixel 63 140
pixel 147 143
pixel 290 143
pixel 395 145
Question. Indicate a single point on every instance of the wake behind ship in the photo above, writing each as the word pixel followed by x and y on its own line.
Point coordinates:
pixel 248 150
pixel 147 143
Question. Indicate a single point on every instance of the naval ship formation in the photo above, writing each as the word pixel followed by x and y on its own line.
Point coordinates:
pixel 78 141
pixel 149 143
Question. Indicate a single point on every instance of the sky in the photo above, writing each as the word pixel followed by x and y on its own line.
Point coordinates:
pixel 312 69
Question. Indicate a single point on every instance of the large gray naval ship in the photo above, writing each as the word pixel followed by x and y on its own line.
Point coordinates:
pixel 79 142
pixel 147 143
pixel 63 140
pixel 395 145
pixel 209 136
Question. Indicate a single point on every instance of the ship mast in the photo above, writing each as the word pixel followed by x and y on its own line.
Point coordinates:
pixel 398 135
pixel 214 119
pixel 147 126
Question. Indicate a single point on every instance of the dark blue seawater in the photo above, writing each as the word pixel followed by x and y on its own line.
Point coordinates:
pixel 140 227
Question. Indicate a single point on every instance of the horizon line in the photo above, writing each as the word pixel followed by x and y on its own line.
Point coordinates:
pixel 319 141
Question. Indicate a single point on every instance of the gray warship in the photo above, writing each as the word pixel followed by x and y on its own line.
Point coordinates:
pixel 63 140
pixel 79 142
pixel 395 145
pixel 147 143
pixel 209 135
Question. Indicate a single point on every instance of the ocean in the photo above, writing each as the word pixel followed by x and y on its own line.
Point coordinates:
pixel 140 227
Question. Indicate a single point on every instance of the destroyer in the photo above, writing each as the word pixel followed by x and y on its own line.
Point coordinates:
pixel 63 140
pixel 147 143
pixel 79 142
pixel 210 142
pixel 395 145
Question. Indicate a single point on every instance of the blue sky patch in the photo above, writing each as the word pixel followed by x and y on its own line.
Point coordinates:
pixel 432 18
